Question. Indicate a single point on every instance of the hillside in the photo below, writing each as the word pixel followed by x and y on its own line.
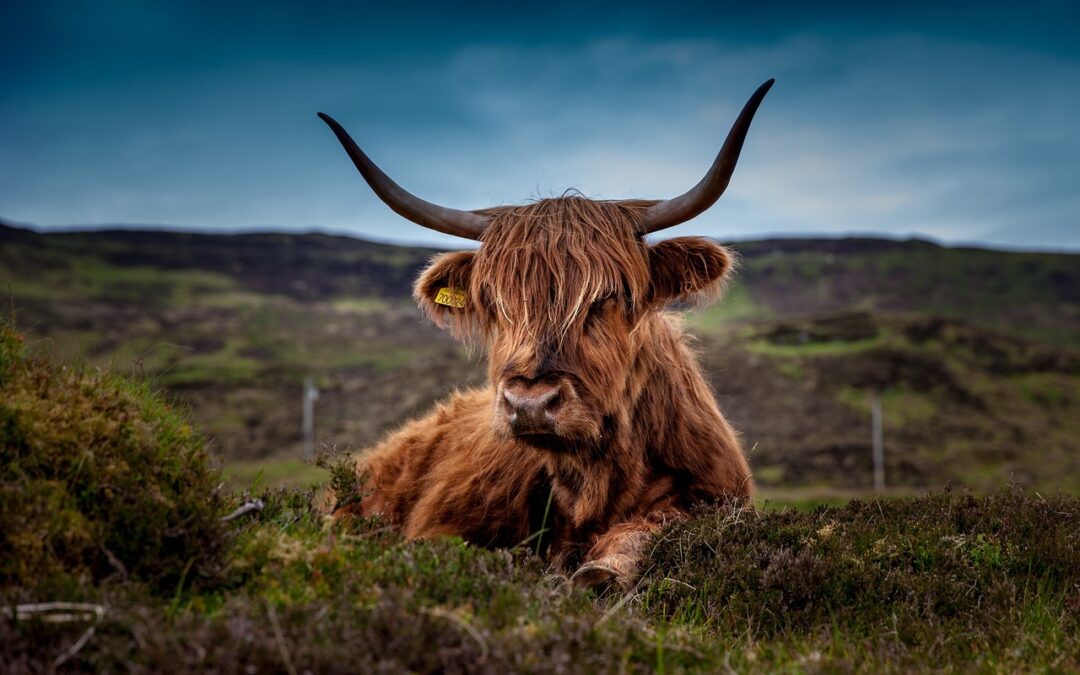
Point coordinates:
pixel 974 351
pixel 961 405
pixel 1030 295
pixel 122 553
pixel 1033 295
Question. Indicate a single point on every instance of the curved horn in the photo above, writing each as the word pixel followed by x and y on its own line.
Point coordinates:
pixel 439 218
pixel 703 195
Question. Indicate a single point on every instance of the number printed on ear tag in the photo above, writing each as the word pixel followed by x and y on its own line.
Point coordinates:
pixel 451 297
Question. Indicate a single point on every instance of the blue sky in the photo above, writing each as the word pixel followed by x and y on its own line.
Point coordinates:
pixel 957 123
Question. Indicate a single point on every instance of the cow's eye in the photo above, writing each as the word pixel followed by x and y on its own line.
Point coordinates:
pixel 599 308
pixel 486 304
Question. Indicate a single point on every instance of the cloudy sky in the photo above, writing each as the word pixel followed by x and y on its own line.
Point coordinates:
pixel 960 124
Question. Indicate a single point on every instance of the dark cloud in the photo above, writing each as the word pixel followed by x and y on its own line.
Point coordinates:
pixel 955 123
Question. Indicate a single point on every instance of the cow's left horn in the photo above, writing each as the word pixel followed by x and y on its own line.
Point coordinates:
pixel 703 195
pixel 439 218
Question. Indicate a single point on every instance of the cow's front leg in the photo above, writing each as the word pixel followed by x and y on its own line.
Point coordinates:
pixel 616 556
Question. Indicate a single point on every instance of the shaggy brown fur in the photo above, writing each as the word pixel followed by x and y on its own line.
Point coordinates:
pixel 564 295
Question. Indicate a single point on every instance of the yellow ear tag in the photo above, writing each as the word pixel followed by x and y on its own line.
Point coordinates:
pixel 451 297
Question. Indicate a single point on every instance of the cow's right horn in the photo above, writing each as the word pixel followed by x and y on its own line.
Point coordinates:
pixel 439 218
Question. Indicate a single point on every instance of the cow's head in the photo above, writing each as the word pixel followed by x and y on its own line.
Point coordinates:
pixel 560 290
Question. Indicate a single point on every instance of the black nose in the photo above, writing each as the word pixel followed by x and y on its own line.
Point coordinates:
pixel 531 408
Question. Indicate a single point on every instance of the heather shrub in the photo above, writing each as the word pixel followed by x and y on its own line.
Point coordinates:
pixel 948 576
pixel 99 476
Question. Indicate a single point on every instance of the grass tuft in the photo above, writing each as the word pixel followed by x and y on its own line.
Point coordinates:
pixel 99 477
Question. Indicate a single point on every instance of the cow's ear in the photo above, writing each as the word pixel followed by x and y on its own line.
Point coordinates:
pixel 689 269
pixel 442 291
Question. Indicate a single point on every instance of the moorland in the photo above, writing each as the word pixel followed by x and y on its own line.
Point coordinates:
pixel 150 386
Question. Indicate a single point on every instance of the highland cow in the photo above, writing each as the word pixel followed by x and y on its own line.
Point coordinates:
pixel 597 425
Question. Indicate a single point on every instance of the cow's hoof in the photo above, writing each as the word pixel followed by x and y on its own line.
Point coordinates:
pixel 601 574
pixel 594 574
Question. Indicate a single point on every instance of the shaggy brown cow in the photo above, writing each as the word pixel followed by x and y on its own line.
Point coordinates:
pixel 596 426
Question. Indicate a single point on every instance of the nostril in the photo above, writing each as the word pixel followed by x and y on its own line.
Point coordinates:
pixel 511 406
pixel 554 402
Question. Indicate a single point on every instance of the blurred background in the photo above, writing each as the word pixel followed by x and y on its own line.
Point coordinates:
pixel 905 210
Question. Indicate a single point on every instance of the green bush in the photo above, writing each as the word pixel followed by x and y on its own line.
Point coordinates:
pixel 99 476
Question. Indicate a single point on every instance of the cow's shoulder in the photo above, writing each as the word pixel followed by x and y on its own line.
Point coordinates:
pixel 457 422
pixel 463 409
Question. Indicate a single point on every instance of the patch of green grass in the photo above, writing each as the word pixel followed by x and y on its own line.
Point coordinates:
pixel 736 305
pixel 359 305
pixel 790 368
pixel 388 358
pixel 286 473
pixel 900 406
pixel 813 497
pixel 811 349
pixel 89 277
pixel 1049 389
pixel 381 355
pixel 237 299
pixel 220 367
pixel 770 473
